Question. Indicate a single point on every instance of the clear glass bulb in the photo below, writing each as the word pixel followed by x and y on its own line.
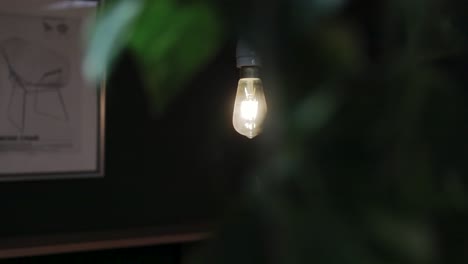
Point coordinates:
pixel 250 107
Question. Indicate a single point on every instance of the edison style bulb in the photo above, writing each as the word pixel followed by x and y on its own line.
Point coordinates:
pixel 250 107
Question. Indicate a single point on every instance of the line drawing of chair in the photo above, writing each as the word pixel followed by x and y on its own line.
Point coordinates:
pixel 33 70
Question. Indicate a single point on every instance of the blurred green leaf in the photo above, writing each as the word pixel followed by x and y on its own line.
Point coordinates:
pixel 110 36
pixel 405 237
pixel 308 12
pixel 314 112
pixel 171 42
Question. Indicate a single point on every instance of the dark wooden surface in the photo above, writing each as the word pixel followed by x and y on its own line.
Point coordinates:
pixel 167 254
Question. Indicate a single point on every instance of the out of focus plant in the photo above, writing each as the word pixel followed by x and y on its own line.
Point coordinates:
pixel 170 40
pixel 366 146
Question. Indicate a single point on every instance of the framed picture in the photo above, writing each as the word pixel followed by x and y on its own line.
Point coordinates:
pixel 51 118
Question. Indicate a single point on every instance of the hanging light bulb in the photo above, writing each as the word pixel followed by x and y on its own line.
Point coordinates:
pixel 250 106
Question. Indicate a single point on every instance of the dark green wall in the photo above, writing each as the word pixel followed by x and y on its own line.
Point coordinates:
pixel 178 168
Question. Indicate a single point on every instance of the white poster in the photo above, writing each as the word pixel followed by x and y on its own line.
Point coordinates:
pixel 50 117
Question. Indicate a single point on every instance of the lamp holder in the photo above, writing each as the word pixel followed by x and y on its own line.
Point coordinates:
pixel 246 56
pixel 250 72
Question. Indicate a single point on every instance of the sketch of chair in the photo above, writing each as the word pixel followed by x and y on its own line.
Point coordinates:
pixel 33 71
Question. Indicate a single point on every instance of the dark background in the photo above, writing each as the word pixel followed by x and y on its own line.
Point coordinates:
pixel 173 171
pixel 370 161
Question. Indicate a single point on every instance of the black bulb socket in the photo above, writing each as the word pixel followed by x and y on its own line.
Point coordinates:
pixel 250 72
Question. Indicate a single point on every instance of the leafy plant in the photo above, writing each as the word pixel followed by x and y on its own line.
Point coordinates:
pixel 367 141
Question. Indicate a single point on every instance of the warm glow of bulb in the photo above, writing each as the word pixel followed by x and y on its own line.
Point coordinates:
pixel 249 108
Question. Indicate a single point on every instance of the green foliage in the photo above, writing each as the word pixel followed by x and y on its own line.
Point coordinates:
pixel 170 40
pixel 110 36
pixel 367 147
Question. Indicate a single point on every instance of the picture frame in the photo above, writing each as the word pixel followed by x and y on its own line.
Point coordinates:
pixel 52 120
